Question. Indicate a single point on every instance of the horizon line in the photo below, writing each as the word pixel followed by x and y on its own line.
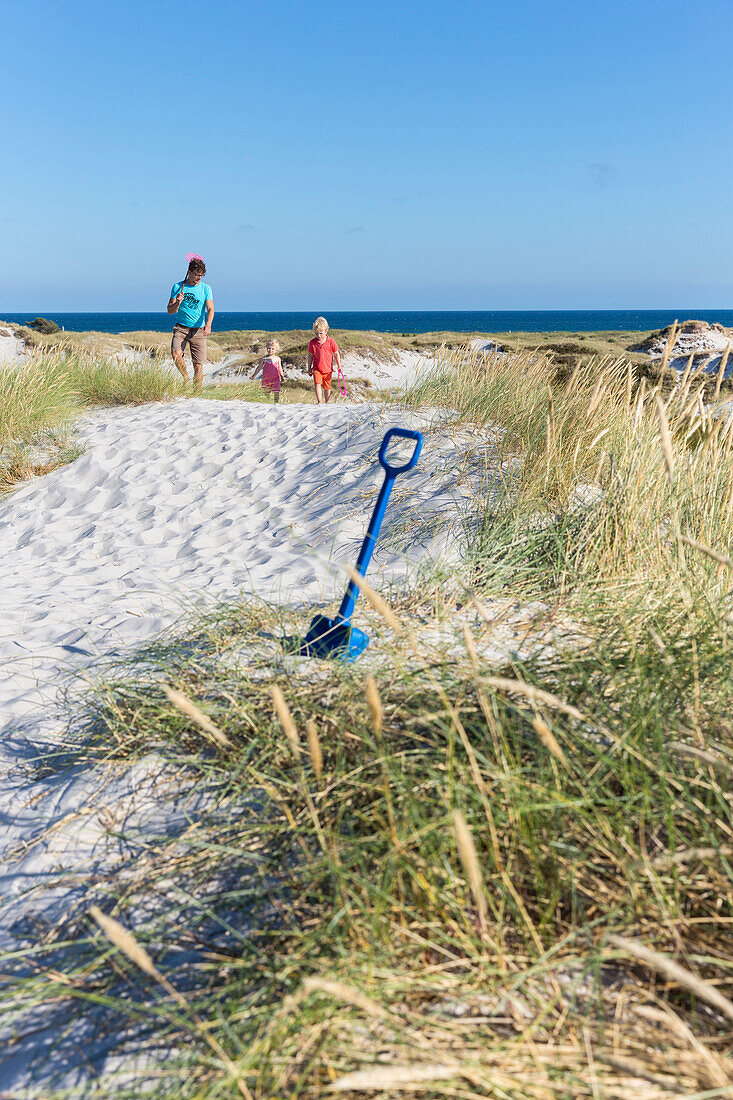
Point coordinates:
pixel 513 309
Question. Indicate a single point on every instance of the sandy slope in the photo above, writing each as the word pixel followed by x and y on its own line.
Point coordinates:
pixel 174 505
pixel 171 506
pixel 12 349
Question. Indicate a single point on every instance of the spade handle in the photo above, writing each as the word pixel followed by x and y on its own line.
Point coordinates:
pixel 351 594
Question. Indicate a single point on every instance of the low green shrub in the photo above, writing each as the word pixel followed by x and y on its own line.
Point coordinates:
pixel 44 326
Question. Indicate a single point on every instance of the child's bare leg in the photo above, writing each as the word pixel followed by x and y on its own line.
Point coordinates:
pixel 276 396
pixel 319 393
pixel 327 395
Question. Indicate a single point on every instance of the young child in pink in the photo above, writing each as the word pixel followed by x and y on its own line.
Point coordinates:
pixel 271 370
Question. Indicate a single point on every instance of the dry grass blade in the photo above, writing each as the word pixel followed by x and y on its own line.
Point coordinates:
pixel 186 706
pixel 378 602
pixel 347 994
pixel 721 371
pixel 666 438
pixel 690 855
pixel 125 942
pixel 286 719
pixel 640 1072
pixel 470 644
pixel 394 1077
pixel 469 859
pixel 597 439
pixel 314 747
pixel 128 945
pixel 374 703
pixel 685 382
pixel 671 970
pixel 722 559
pixel 705 755
pixel 640 400
pixel 717 1066
pixel 629 384
pixel 668 347
pixel 534 694
pixel 548 739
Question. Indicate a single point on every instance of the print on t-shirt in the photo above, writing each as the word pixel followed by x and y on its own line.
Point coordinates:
pixel 192 310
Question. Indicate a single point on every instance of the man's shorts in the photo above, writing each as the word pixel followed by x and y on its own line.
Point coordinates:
pixel 194 338
pixel 322 379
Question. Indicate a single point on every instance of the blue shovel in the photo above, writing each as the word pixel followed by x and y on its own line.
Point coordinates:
pixel 337 637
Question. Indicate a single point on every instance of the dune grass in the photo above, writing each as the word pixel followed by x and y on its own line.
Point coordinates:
pixel 440 874
pixel 49 389
pixel 41 398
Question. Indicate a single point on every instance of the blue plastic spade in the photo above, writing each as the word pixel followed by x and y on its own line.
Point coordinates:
pixel 337 637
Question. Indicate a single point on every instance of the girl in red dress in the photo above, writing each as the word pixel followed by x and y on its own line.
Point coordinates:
pixel 271 370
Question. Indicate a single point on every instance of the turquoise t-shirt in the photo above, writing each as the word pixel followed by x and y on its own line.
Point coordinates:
pixel 192 310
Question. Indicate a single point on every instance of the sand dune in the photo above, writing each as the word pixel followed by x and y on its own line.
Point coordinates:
pixel 172 506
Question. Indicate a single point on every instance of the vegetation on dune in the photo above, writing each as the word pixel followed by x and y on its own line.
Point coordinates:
pixel 566 346
pixel 250 344
pixel 44 326
pixel 445 876
pixel 41 398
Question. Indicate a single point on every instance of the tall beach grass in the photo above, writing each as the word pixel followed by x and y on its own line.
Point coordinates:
pixel 41 397
pixel 448 876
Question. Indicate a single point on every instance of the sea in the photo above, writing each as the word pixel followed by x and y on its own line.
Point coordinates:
pixel 396 321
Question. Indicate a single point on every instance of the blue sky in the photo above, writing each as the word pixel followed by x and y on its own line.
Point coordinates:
pixel 367 155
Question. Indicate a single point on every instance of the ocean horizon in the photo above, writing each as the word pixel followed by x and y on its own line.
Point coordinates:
pixel 392 321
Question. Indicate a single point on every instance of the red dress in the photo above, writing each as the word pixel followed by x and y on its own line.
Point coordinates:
pixel 270 375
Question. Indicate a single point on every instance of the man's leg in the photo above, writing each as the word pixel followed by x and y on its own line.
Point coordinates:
pixel 177 344
pixel 198 357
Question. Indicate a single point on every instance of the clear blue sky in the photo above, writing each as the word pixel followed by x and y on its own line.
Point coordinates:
pixel 416 154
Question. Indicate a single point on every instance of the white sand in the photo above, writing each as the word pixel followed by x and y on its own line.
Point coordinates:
pixel 12 349
pixel 196 499
pixel 179 504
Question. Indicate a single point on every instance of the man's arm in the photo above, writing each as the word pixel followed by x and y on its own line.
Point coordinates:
pixel 209 315
pixel 174 303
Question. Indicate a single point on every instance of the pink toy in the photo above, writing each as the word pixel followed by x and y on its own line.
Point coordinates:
pixel 193 256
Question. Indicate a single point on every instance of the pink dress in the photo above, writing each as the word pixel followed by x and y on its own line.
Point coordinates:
pixel 270 375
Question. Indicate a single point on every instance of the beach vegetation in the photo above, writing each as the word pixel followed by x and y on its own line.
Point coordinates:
pixel 41 397
pixel 450 871
pixel 44 326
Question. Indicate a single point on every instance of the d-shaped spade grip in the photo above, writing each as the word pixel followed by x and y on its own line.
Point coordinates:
pixel 393 471
pixel 346 609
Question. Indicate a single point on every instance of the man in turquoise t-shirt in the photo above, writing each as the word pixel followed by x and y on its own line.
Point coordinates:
pixel 193 302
